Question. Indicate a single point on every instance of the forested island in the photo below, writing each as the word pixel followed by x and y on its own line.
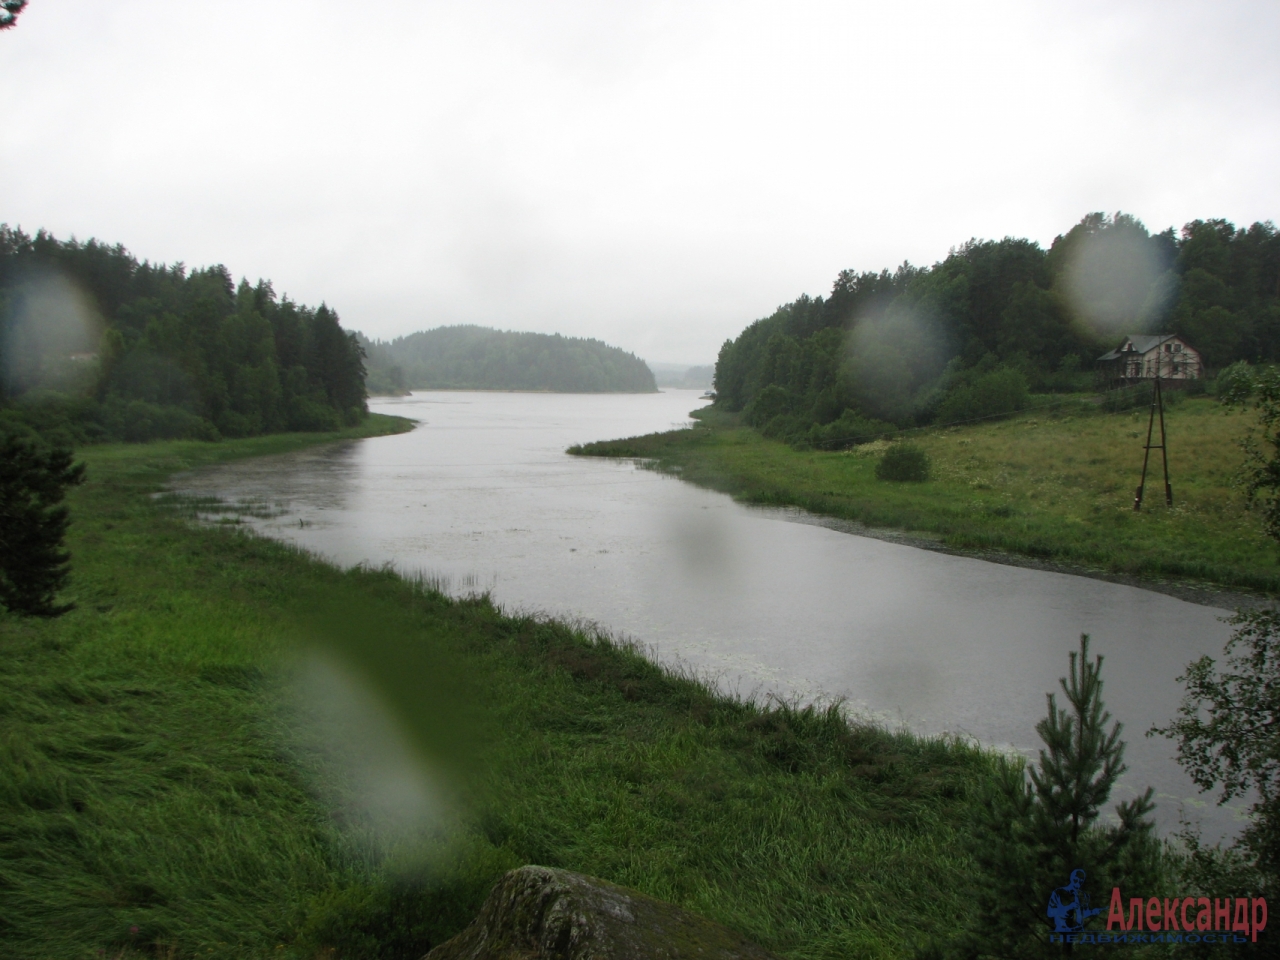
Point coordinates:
pixel 479 358
pixel 96 346
pixel 973 335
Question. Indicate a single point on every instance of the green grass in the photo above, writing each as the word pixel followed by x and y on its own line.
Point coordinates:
pixel 1056 488
pixel 160 795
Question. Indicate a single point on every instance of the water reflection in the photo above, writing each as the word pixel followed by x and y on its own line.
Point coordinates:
pixel 482 496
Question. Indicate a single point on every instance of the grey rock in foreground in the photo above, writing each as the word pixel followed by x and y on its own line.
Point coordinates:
pixel 538 913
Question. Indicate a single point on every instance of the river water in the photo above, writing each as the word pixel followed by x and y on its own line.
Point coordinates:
pixel 482 497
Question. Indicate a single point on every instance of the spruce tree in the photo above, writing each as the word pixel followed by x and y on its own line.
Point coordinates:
pixel 33 521
pixel 1035 824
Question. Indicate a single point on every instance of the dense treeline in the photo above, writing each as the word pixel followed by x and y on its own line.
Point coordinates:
pixel 973 335
pixel 478 358
pixel 97 346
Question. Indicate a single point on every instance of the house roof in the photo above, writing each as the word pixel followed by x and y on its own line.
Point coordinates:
pixel 1141 344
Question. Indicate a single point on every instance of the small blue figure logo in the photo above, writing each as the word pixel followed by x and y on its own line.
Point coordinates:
pixel 1069 906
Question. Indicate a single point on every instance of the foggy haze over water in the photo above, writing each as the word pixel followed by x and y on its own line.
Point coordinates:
pixel 482 496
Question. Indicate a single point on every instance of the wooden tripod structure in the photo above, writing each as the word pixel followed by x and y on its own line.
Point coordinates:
pixel 1157 407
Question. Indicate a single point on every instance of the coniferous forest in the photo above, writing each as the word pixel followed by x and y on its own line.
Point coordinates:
pixel 971 336
pixel 97 346
pixel 467 357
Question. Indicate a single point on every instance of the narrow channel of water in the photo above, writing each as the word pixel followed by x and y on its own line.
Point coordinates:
pixel 482 496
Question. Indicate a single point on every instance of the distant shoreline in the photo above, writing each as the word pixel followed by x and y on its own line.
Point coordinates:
pixel 575 393
pixel 463 355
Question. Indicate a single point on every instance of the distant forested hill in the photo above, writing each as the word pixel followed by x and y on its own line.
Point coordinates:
pixel 478 358
pixel 684 377
pixel 970 337
pixel 99 346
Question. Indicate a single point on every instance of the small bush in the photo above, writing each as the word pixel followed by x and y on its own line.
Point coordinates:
pixel 1236 383
pixel 136 421
pixel 771 403
pixel 1070 377
pixel 70 421
pixel 311 416
pixel 903 462
pixel 848 431
pixel 995 394
pixel 786 427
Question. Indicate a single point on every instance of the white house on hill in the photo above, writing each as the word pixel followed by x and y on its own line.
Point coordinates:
pixel 1165 356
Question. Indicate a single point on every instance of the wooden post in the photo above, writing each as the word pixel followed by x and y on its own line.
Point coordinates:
pixel 1157 404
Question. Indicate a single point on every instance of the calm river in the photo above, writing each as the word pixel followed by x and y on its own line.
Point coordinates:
pixel 482 496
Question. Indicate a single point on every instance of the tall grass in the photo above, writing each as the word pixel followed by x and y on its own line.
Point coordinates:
pixel 160 794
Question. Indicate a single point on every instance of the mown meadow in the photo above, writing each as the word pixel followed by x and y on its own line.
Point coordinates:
pixel 1054 484
pixel 163 794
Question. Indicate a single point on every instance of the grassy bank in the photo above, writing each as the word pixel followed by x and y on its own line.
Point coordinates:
pixel 1056 488
pixel 160 796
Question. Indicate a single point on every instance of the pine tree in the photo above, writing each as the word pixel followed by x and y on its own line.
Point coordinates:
pixel 1082 760
pixel 33 481
pixel 1037 824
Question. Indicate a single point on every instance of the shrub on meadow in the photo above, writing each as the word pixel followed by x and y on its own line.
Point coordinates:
pixel 997 393
pixel 903 462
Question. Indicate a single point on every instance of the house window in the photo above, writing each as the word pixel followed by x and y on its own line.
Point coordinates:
pixel 1177 348
pixel 1168 348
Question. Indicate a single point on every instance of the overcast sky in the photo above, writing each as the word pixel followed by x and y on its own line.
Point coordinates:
pixel 656 175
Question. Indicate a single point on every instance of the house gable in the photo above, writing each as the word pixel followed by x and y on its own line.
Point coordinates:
pixel 1165 356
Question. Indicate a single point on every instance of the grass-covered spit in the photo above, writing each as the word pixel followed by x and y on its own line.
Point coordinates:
pixel 1056 487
